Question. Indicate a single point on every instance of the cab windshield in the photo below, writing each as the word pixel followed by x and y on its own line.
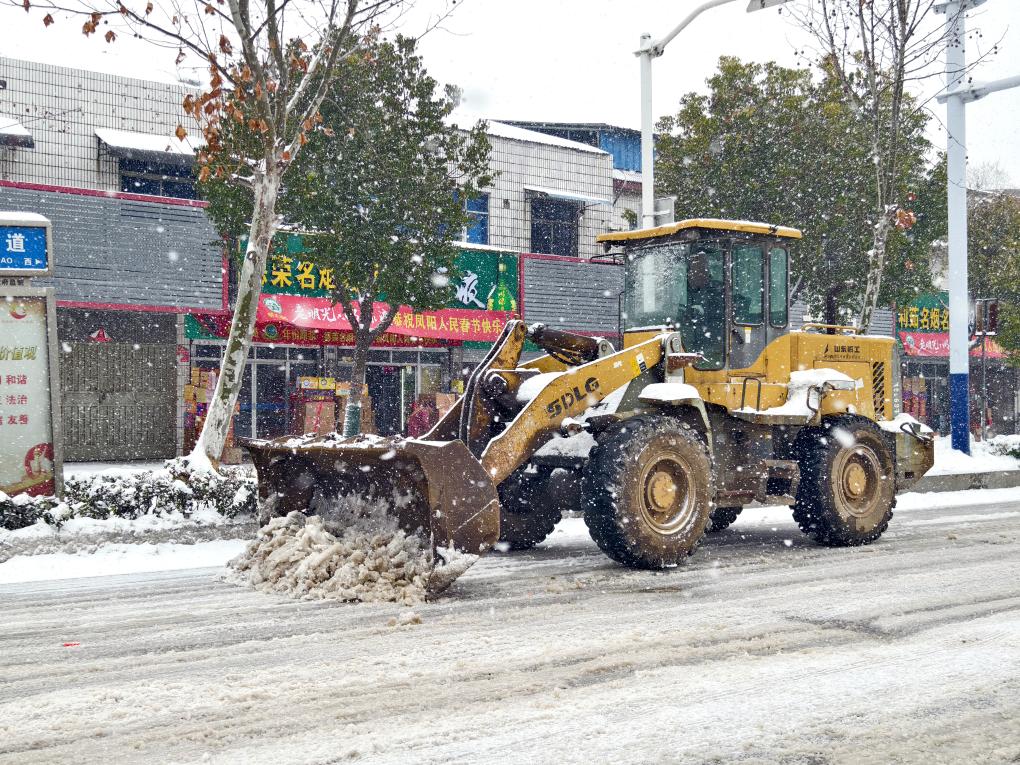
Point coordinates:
pixel 681 286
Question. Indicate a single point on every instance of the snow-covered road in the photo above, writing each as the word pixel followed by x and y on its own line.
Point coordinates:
pixel 765 648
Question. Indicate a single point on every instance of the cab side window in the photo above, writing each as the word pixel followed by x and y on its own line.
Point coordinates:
pixel 748 292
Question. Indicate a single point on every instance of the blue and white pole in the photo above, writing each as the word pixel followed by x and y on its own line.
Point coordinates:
pixel 959 93
pixel 956 128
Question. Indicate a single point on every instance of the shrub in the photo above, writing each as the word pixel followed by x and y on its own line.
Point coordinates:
pixel 1007 446
pixel 175 488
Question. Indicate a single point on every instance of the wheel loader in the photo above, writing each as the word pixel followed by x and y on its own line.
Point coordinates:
pixel 712 404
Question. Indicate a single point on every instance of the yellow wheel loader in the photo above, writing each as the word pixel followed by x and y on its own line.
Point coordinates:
pixel 711 405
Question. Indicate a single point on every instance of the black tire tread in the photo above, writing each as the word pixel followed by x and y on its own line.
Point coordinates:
pixel 722 518
pixel 602 483
pixel 812 511
pixel 528 514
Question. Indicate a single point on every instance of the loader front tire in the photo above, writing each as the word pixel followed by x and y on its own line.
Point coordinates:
pixel 528 511
pixel 722 518
pixel 647 491
pixel 847 482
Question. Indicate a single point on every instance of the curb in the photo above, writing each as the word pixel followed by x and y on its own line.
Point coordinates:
pixel 999 479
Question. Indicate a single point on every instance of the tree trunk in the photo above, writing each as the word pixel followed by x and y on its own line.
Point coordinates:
pixel 221 408
pixel 876 266
pixel 352 413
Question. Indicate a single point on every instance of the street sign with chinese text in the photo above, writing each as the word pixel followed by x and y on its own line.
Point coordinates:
pixel 25 245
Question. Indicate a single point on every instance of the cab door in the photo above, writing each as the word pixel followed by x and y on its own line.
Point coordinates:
pixel 747 320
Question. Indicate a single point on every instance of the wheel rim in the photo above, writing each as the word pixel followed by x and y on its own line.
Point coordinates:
pixel 857 477
pixel 667 502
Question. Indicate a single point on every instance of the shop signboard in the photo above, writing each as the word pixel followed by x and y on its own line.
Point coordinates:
pixel 30 445
pixel 295 306
pixel 323 315
pixel 217 326
pixel 926 313
pixel 25 245
pixel 487 281
pixel 487 278
pixel 923 328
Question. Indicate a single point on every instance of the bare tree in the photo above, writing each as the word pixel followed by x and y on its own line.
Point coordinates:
pixel 987 176
pixel 270 65
pixel 878 49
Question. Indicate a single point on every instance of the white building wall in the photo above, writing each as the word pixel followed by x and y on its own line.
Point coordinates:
pixel 62 107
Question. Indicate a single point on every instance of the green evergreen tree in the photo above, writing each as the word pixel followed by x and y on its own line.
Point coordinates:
pixel 993 262
pixel 770 143
pixel 381 187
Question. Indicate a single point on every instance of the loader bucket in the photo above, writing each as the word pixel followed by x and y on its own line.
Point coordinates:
pixel 436 490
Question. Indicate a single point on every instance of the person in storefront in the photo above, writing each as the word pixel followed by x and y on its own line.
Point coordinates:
pixel 424 415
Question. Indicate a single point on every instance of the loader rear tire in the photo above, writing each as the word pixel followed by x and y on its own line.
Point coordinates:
pixel 847 482
pixel 528 511
pixel 647 490
pixel 722 518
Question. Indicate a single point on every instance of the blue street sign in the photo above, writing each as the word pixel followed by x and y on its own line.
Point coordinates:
pixel 23 248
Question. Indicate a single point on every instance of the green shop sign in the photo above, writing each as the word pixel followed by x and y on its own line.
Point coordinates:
pixel 926 313
pixel 487 281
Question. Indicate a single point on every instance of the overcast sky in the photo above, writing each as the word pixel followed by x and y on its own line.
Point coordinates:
pixel 572 60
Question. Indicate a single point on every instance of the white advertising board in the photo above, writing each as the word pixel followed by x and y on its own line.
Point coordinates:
pixel 30 452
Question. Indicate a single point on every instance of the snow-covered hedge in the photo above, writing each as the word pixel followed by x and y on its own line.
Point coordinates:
pixel 1007 446
pixel 175 488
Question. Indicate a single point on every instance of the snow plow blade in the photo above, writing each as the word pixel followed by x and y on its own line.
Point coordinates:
pixel 435 490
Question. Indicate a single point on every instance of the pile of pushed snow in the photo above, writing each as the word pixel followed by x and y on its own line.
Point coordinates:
pixel 349 555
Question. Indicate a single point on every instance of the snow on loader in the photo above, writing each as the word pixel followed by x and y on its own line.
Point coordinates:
pixel 712 404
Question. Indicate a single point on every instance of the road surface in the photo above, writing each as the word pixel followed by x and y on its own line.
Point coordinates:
pixel 764 649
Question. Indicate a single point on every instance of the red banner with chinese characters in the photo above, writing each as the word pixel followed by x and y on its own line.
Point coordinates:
pixel 936 344
pixel 320 314
pixel 218 326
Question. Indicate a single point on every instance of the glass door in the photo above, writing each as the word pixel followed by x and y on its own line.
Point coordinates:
pixel 271 420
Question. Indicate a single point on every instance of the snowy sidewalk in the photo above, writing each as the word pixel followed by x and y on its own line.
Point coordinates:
pixel 983 468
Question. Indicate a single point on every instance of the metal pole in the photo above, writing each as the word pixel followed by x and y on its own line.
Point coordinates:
pixel 956 127
pixel 647 50
pixel 647 136
pixel 984 384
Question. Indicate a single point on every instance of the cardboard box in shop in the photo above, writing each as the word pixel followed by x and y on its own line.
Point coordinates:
pixel 445 402
pixel 318 417
pixel 196 375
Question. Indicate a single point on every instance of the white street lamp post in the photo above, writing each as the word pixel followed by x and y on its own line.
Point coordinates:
pixel 956 96
pixel 646 52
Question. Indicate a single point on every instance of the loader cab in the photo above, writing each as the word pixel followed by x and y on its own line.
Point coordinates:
pixel 723 285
